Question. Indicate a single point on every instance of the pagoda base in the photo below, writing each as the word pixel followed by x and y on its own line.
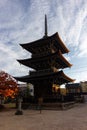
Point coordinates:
pixel 42 89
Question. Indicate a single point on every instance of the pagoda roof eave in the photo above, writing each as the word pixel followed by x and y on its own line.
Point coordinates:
pixel 59 76
pixel 62 43
pixel 29 62
pixel 44 41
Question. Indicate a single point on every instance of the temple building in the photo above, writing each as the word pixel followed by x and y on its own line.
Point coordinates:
pixel 47 62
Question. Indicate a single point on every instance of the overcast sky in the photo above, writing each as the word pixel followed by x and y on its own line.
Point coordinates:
pixel 22 21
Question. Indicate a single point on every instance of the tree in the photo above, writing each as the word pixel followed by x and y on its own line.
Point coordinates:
pixel 8 85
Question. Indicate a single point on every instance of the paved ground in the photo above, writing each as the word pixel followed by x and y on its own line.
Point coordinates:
pixel 72 119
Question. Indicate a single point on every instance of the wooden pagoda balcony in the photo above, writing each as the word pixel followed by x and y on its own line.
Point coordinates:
pixel 39 54
pixel 43 52
pixel 40 72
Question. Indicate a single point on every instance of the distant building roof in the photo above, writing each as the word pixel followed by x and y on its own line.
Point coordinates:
pixel 73 85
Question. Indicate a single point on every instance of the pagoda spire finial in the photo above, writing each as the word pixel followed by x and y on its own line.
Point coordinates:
pixel 46 33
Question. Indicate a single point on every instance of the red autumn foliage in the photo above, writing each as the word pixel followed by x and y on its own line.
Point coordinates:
pixel 8 85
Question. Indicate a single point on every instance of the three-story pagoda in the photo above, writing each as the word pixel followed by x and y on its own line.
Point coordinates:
pixel 48 63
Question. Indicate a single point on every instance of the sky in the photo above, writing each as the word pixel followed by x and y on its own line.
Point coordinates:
pixel 22 21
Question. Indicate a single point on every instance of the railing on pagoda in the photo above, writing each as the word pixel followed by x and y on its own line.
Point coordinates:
pixel 40 72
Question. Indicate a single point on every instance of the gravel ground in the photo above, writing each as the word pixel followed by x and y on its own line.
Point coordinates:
pixel 71 119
